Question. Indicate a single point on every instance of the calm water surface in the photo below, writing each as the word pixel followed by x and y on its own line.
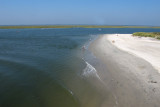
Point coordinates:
pixel 48 68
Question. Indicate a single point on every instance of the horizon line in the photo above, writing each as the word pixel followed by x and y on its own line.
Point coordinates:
pixel 76 25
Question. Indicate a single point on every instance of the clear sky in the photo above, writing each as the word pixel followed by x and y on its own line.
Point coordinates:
pixel 104 12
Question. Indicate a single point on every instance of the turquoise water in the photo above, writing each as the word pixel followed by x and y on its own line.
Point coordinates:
pixel 48 68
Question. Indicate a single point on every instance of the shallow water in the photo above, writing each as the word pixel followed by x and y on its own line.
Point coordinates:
pixel 47 67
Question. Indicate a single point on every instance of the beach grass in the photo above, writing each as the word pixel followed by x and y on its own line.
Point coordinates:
pixel 148 34
pixel 70 26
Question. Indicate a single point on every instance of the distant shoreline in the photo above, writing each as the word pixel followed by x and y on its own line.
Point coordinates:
pixel 73 26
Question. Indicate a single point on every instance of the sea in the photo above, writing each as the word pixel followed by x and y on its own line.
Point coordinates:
pixel 51 67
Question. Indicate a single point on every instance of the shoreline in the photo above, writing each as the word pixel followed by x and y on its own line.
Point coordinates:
pixel 128 80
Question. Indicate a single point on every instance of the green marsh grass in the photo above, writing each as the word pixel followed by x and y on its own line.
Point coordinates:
pixel 70 26
pixel 148 34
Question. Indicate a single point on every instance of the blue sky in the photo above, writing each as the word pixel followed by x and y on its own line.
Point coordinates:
pixel 103 12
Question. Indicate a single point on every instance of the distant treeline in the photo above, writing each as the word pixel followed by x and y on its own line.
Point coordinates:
pixel 148 34
pixel 71 26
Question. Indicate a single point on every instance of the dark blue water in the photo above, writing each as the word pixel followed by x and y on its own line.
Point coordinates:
pixel 43 67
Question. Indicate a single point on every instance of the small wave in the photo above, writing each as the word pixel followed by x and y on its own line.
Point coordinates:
pixel 90 71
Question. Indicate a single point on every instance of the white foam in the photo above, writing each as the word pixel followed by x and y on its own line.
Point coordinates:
pixel 90 71
pixel 71 92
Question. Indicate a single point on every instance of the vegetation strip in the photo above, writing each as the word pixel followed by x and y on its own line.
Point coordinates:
pixel 71 26
pixel 148 34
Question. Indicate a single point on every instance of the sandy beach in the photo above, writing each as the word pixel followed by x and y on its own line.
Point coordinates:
pixel 146 48
pixel 130 71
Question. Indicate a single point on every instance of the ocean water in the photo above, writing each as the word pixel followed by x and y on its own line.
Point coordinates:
pixel 50 67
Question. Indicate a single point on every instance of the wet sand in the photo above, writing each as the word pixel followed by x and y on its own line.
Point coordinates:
pixel 128 80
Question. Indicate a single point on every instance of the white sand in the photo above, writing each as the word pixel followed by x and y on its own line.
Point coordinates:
pixel 144 47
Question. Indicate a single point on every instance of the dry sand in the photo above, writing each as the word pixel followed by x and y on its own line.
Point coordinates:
pixel 128 80
pixel 146 48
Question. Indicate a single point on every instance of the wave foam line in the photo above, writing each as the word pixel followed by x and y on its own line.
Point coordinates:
pixel 90 70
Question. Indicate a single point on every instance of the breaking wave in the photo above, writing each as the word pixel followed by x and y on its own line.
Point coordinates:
pixel 90 71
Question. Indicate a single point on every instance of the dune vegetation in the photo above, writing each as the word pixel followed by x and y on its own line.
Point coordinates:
pixel 148 34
